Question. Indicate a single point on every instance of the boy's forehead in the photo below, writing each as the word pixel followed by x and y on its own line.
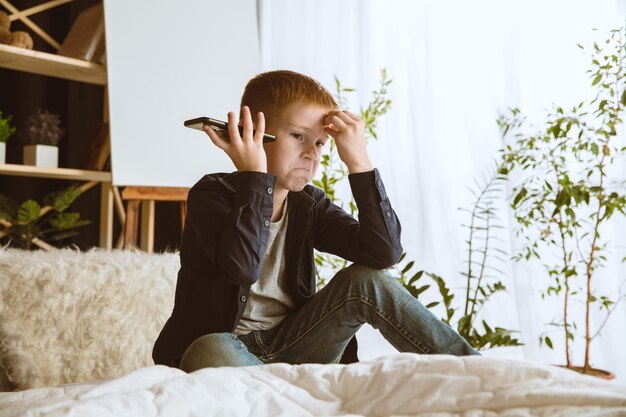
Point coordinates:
pixel 303 115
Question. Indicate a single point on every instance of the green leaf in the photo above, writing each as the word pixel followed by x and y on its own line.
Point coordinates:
pixel 415 277
pixel 520 195
pixel 28 212
pixel 487 328
pixel 421 289
pixel 62 199
pixel 549 342
pixel 464 323
pixel 6 216
pixel 8 207
pixel 408 266
pixel 67 221
pixel 597 79
pixel 570 272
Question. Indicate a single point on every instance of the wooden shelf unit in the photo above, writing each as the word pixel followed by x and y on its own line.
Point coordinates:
pixel 52 65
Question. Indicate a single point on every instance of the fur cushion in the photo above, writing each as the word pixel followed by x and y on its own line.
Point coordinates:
pixel 70 316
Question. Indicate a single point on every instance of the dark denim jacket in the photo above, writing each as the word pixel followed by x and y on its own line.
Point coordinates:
pixel 224 240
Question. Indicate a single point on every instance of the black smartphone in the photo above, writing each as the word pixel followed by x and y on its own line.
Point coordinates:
pixel 220 126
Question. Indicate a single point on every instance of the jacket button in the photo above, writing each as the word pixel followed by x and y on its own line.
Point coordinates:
pixel 266 222
pixel 378 183
pixel 270 190
pixel 388 214
pixel 243 298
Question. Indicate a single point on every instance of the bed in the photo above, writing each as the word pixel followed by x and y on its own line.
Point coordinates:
pixel 397 385
pixel 76 330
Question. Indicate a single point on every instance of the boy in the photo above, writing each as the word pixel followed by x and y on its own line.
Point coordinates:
pixel 246 290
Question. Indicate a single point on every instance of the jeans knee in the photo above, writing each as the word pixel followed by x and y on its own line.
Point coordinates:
pixel 363 276
pixel 207 349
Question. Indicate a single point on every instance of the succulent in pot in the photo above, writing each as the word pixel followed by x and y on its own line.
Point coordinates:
pixel 41 137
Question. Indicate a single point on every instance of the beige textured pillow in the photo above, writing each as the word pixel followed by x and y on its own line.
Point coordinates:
pixel 69 316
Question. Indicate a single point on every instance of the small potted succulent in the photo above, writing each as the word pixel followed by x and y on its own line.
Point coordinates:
pixel 6 131
pixel 41 137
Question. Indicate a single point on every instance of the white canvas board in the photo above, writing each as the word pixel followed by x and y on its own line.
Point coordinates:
pixel 168 62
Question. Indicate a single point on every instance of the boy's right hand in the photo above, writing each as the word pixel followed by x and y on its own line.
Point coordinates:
pixel 246 151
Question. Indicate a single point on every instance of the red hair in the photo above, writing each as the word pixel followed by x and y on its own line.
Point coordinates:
pixel 272 91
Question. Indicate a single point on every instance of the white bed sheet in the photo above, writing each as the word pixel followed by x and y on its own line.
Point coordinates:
pixel 397 385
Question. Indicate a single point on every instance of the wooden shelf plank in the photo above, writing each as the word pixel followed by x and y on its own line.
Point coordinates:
pixel 43 63
pixel 57 173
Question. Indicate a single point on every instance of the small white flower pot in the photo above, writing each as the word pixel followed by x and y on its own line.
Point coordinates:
pixel 3 153
pixel 44 156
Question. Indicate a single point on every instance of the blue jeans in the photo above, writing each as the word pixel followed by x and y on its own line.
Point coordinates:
pixel 320 330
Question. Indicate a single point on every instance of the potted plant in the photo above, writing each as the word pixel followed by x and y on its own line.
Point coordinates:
pixel 41 137
pixel 565 196
pixel 6 131
pixel 29 223
pixel 483 278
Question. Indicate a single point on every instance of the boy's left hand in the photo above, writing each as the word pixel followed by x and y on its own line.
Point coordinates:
pixel 348 131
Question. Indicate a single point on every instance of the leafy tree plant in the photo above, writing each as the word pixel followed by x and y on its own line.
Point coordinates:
pixel 482 275
pixel 27 224
pixel 565 196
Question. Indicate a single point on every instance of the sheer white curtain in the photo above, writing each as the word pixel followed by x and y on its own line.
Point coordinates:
pixel 454 65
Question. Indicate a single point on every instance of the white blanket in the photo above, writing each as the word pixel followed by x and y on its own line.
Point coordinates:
pixel 398 385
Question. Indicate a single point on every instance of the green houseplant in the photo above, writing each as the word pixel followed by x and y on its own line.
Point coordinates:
pixel 333 173
pixel 41 136
pixel 6 131
pixel 565 196
pixel 32 224
pixel 482 276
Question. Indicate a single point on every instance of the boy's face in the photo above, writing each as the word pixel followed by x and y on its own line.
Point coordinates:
pixel 295 155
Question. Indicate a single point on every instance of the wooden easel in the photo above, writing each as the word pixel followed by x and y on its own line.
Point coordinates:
pixel 146 196
pixel 136 197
